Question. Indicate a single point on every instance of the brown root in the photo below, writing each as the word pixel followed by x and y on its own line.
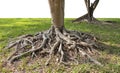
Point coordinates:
pixel 67 44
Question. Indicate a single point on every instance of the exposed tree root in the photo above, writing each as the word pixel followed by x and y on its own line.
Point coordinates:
pixel 67 44
pixel 84 18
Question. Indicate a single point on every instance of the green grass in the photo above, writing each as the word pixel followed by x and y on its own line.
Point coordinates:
pixel 108 34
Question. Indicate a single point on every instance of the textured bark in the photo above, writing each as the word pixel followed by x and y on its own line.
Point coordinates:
pixel 57 13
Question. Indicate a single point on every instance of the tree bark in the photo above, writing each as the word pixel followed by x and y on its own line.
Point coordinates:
pixel 57 13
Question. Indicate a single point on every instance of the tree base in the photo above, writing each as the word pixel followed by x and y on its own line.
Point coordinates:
pixel 67 46
pixel 93 20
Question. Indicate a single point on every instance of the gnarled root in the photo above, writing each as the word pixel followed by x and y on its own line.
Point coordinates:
pixel 67 44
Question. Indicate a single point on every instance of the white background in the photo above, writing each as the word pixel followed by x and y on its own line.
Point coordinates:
pixel 40 9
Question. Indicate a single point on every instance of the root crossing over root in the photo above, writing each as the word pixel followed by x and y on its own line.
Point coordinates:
pixel 67 44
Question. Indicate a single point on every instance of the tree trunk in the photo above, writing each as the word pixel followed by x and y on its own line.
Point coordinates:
pixel 57 13
pixel 89 16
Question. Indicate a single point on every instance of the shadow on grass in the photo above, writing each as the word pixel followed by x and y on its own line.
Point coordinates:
pixel 110 54
pixel 110 49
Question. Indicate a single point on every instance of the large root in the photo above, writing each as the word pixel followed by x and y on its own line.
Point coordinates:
pixel 69 45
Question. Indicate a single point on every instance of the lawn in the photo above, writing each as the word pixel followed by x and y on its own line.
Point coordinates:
pixel 109 36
